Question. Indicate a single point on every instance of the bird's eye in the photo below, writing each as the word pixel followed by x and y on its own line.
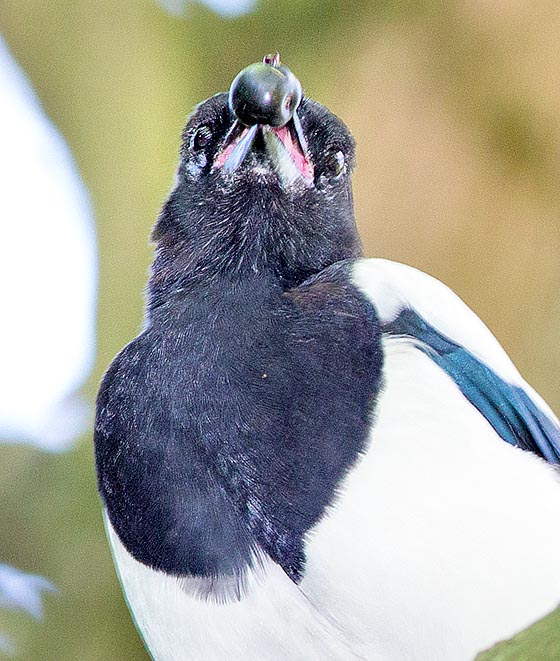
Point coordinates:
pixel 334 165
pixel 289 102
pixel 201 137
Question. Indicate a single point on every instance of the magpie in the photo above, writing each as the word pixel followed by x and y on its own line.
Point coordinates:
pixel 306 454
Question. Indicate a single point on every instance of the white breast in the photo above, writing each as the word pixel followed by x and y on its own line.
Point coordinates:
pixel 445 539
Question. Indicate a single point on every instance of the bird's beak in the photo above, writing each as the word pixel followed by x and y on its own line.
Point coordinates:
pixel 285 148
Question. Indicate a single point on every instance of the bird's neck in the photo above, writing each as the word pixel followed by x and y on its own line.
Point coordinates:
pixel 205 248
pixel 179 274
pixel 178 288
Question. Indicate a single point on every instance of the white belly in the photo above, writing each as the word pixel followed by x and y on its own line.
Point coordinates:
pixel 445 538
pixel 273 622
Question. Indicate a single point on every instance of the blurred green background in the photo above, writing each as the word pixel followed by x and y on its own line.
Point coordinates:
pixel 455 106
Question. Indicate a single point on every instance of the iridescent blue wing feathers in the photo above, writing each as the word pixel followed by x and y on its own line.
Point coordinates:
pixel 414 306
pixel 508 408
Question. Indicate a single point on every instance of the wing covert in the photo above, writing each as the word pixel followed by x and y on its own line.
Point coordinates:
pixel 414 305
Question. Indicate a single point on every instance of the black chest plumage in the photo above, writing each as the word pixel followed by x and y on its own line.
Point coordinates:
pixel 226 426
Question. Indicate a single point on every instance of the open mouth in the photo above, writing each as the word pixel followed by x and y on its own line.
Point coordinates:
pixel 285 148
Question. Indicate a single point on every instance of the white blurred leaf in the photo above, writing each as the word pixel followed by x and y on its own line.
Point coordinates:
pixel 47 273
pixel 21 591
pixel 225 8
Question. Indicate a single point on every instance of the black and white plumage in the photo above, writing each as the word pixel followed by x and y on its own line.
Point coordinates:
pixel 302 455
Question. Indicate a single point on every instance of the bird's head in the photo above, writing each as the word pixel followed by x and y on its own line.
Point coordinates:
pixel 263 184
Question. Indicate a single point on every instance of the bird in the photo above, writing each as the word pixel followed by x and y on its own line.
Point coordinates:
pixel 308 454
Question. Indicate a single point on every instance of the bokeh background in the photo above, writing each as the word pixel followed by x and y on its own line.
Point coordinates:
pixel 455 106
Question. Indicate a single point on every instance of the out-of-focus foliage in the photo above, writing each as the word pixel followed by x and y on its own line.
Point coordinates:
pixel 21 592
pixel 455 107
pixel 47 274
pixel 47 289
pixel 537 643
